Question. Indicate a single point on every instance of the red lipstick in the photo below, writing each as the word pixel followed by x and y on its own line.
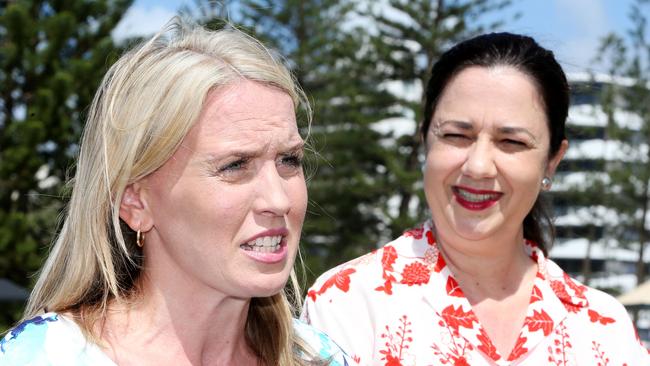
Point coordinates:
pixel 475 199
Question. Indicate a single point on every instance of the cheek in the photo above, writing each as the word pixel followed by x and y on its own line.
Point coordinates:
pixel 522 177
pixel 239 201
pixel 429 173
pixel 297 191
pixel 441 163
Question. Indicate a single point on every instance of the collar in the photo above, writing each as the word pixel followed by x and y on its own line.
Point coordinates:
pixel 553 298
pixel 569 291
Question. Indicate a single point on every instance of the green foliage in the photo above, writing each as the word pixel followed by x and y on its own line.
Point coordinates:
pixel 629 61
pixel 52 57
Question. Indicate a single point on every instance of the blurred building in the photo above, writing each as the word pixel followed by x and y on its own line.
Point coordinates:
pixel 592 243
pixel 586 226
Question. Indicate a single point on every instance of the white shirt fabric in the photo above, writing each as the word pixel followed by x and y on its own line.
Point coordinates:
pixel 400 305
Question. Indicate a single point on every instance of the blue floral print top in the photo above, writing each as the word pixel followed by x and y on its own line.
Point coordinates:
pixel 54 340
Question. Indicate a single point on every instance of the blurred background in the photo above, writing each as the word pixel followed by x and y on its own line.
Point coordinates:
pixel 363 64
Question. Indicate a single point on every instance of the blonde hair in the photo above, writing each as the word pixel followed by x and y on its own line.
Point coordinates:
pixel 144 107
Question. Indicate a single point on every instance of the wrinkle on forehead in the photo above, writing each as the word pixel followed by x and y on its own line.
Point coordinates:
pixel 243 116
pixel 265 111
pixel 218 100
pixel 247 114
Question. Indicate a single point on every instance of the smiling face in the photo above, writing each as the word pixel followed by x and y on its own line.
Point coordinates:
pixel 487 152
pixel 226 210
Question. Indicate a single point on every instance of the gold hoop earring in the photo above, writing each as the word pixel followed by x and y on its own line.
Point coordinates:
pixel 546 183
pixel 139 239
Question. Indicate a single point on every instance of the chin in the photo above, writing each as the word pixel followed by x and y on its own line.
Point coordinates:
pixel 476 229
pixel 269 287
pixel 267 294
pixel 473 231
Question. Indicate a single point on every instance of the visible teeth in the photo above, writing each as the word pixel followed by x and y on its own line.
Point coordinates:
pixel 266 244
pixel 474 197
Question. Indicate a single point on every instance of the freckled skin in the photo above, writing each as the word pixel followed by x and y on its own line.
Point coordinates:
pixel 236 174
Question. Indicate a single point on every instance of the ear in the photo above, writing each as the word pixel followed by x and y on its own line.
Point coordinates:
pixel 555 160
pixel 133 209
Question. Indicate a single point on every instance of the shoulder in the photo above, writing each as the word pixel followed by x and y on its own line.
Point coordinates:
pixel 26 342
pixel 584 295
pixel 599 309
pixel 609 318
pixel 321 344
pixel 50 339
pixel 601 322
pixel 340 279
pixel 362 272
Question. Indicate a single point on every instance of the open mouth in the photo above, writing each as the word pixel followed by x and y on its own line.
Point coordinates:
pixel 264 244
pixel 476 200
pixel 476 196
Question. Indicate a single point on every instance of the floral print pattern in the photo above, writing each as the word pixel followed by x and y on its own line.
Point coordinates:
pixel 401 305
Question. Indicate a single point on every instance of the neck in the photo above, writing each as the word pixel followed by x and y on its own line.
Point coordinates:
pixel 193 325
pixel 492 268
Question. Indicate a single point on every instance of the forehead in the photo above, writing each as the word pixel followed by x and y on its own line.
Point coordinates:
pixel 501 94
pixel 245 110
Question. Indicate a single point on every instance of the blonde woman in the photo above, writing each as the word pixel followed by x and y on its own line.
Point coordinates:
pixel 185 217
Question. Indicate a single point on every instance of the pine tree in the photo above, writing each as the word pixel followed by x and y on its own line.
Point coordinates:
pixel 52 57
pixel 411 35
pixel 627 103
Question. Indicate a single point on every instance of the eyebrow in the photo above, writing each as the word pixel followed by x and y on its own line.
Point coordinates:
pixel 459 124
pixel 252 153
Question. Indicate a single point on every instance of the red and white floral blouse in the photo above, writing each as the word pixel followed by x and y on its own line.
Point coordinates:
pixel 400 305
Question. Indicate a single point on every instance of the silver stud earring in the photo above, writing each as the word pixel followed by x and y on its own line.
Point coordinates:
pixel 546 183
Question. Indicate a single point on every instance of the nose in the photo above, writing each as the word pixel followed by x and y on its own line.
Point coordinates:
pixel 479 162
pixel 272 198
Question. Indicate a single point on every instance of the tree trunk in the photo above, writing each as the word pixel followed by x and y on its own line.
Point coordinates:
pixel 586 262
pixel 643 233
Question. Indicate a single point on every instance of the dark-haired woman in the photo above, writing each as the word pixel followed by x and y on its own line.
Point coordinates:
pixel 473 285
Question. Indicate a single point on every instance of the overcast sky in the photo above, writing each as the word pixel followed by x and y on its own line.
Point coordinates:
pixel 571 28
